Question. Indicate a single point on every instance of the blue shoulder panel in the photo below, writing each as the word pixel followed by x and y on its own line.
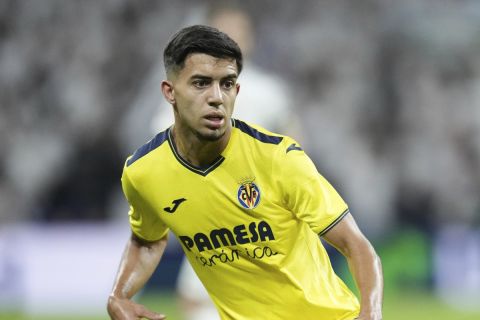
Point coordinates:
pixel 255 133
pixel 149 146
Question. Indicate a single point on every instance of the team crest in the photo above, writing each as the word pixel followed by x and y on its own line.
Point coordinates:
pixel 248 195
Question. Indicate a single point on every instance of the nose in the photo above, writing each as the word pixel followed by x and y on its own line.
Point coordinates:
pixel 215 97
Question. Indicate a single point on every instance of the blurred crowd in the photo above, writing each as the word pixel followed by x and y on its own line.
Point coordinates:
pixel 387 94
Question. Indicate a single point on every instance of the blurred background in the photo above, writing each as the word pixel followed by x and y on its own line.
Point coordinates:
pixel 383 95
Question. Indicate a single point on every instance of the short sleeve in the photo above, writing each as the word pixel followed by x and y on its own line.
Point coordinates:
pixel 144 221
pixel 306 193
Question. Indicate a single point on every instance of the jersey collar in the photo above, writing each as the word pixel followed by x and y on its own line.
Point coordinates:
pixel 204 170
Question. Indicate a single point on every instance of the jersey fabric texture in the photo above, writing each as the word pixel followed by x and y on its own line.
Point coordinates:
pixel 249 223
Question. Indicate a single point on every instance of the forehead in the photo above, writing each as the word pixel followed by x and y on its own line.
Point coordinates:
pixel 204 64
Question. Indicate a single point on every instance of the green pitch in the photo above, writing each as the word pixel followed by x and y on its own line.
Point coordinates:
pixel 400 306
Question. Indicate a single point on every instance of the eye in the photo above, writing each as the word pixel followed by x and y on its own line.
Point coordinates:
pixel 201 83
pixel 229 84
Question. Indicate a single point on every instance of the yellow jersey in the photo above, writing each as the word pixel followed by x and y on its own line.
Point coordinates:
pixel 249 223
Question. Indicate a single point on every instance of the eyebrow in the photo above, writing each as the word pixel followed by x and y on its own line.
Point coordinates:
pixel 203 77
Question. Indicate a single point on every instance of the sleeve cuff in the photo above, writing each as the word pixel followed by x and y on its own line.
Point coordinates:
pixel 334 223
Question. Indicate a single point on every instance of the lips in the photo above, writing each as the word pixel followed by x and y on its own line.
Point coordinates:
pixel 214 120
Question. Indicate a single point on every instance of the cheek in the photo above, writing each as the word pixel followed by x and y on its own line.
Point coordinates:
pixel 190 107
pixel 186 102
pixel 230 100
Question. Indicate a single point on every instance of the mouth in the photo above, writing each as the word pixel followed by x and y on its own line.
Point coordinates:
pixel 214 120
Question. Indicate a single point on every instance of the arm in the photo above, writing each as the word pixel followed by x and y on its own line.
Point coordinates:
pixel 139 260
pixel 364 264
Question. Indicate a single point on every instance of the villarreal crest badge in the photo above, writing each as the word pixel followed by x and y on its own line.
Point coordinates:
pixel 248 194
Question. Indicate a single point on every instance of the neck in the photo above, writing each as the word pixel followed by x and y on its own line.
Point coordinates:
pixel 199 152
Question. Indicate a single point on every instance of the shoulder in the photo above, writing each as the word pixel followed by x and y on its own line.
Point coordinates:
pixel 141 163
pixel 280 143
pixel 258 133
pixel 148 147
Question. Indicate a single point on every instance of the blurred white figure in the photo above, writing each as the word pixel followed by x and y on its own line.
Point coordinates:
pixel 263 100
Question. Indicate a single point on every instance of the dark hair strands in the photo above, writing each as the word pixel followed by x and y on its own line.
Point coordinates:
pixel 200 39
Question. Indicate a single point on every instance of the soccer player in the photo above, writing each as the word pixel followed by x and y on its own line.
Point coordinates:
pixel 248 206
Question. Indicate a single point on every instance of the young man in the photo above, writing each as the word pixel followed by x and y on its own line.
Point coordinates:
pixel 248 206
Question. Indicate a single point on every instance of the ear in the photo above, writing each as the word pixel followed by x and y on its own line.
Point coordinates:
pixel 168 91
pixel 238 87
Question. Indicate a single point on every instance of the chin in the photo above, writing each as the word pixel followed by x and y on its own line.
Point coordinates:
pixel 213 135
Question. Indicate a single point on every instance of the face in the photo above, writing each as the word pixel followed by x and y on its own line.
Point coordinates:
pixel 203 94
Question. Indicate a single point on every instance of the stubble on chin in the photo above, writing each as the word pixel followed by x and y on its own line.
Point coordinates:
pixel 212 136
